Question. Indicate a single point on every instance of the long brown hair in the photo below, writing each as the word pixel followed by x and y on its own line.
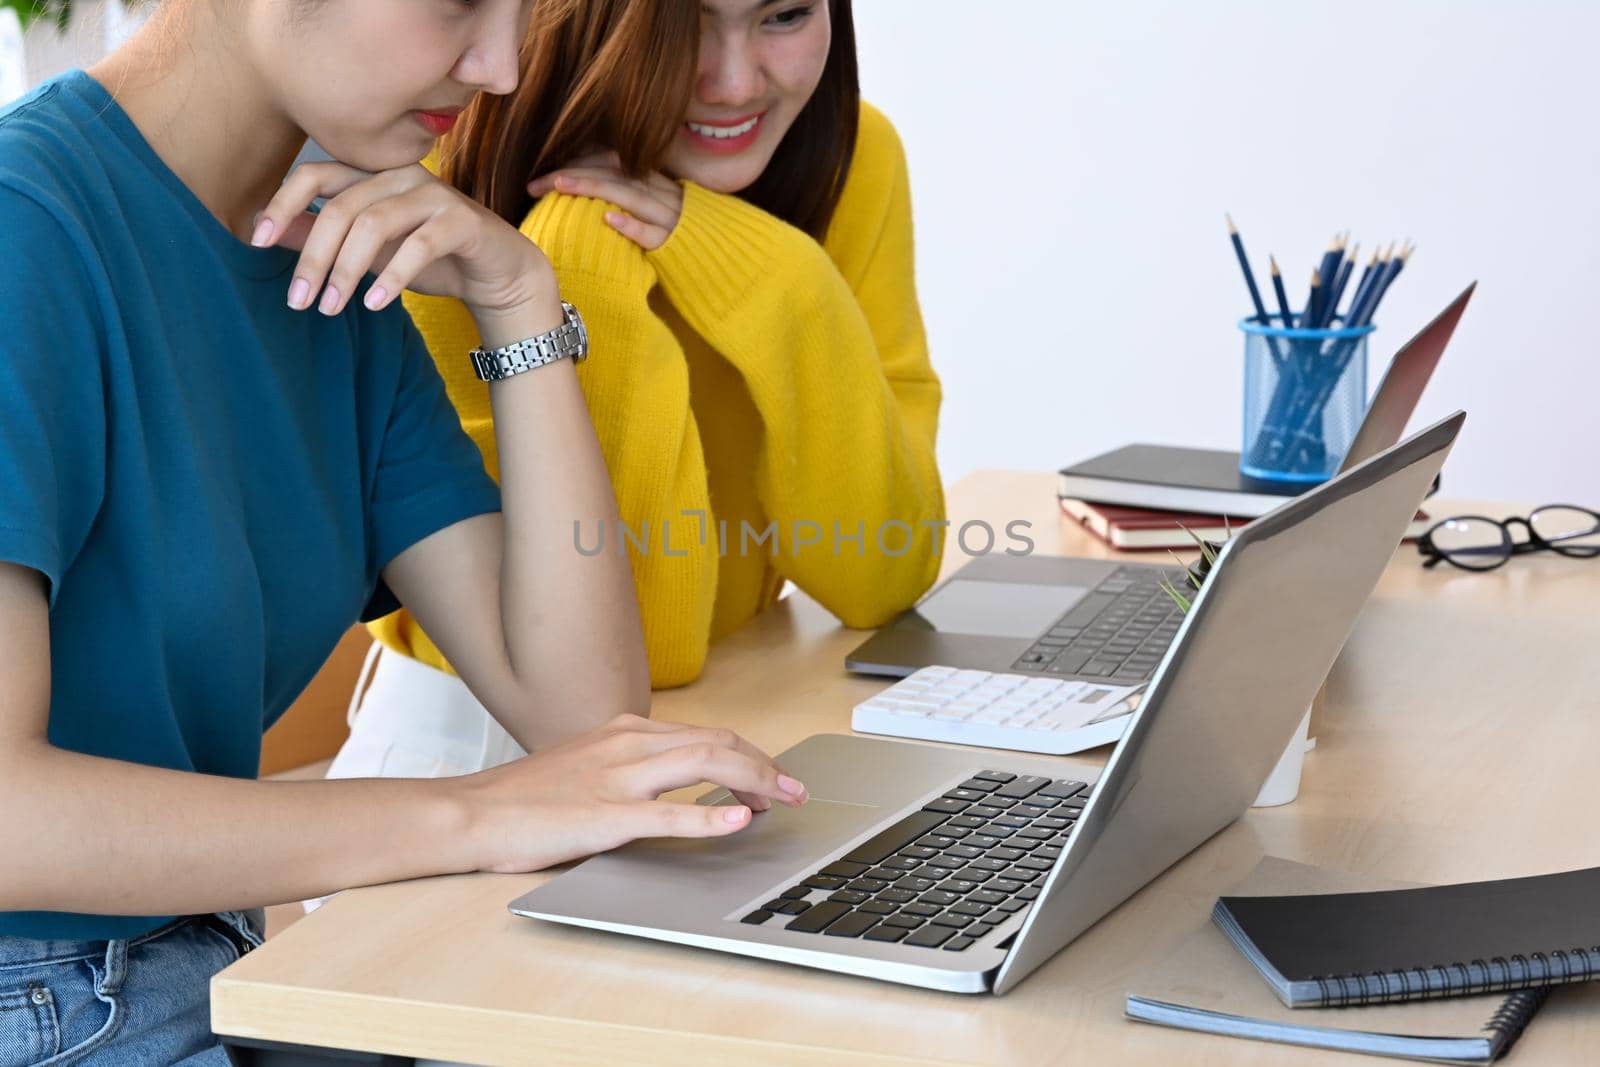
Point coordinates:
pixel 620 74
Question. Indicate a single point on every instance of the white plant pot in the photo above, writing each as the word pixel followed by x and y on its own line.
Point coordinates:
pixel 1283 784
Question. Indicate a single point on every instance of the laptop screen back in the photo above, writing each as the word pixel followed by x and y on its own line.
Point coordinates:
pixel 1263 634
pixel 1407 377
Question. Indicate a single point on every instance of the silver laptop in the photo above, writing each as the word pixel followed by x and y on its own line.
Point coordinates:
pixel 1099 620
pixel 964 870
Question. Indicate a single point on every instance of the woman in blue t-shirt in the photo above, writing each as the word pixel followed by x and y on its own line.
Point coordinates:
pixel 222 442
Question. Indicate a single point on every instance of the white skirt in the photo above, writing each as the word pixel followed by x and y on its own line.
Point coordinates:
pixel 414 721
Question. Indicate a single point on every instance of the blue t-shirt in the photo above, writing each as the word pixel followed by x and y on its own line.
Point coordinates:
pixel 210 481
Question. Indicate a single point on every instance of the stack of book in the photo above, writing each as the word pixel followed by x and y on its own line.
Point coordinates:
pixel 1154 496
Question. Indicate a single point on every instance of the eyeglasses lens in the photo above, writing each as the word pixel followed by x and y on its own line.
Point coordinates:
pixel 1570 530
pixel 1475 543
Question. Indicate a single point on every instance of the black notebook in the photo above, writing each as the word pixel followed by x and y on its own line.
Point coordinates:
pixel 1410 944
pixel 1174 479
pixel 1203 985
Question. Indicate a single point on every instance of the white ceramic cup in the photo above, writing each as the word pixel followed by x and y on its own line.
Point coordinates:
pixel 1283 784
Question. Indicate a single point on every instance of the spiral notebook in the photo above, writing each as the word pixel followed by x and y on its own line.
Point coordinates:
pixel 1206 986
pixel 1412 944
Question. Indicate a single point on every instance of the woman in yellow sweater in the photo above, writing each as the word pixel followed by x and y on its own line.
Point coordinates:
pixel 736 225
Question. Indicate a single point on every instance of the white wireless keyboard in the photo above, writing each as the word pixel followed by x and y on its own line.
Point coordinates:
pixel 1015 711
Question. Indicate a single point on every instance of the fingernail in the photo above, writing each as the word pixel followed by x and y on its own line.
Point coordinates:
pixel 790 786
pixel 330 301
pixel 375 297
pixel 300 294
pixel 263 233
pixel 736 814
pixel 565 182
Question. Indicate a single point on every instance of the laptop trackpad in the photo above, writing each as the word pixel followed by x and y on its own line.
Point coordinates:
pixel 725 872
pixel 998 609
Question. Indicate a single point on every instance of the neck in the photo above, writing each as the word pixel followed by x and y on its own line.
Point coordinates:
pixel 185 84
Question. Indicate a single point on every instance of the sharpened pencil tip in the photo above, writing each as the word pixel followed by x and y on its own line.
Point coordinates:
pixel 1231 227
pixel 1272 259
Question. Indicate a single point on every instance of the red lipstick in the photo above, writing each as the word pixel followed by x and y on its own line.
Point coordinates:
pixel 437 123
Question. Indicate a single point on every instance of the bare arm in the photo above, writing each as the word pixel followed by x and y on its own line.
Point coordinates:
pixel 103 836
pixel 238 843
pixel 547 638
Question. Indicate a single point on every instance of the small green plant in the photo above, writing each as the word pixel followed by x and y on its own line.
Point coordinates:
pixel 28 10
pixel 1195 575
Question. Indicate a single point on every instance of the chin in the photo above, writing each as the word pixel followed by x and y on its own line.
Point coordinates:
pixel 377 154
pixel 730 177
pixel 728 187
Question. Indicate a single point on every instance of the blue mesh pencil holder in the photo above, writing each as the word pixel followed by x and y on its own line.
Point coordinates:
pixel 1305 393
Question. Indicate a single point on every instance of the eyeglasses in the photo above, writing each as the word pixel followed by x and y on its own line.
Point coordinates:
pixel 1477 543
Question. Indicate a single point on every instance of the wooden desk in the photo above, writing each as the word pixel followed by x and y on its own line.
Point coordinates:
pixel 1458 742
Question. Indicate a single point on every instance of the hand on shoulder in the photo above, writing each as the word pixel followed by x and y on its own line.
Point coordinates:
pixel 647 209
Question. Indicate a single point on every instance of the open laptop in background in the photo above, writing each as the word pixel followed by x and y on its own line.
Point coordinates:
pixel 962 870
pixel 1104 621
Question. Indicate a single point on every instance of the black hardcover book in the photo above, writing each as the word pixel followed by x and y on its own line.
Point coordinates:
pixel 1336 949
pixel 1173 479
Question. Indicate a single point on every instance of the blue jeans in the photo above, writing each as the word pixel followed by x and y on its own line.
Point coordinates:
pixel 145 1000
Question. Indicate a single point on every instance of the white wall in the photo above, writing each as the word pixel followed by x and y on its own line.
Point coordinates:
pixel 1071 163
pixel 96 25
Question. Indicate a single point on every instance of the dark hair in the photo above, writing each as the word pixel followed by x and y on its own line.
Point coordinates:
pixel 620 73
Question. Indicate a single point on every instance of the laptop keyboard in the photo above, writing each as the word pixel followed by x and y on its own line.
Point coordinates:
pixel 943 877
pixel 1117 633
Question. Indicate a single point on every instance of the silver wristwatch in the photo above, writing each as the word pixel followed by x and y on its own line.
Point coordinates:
pixel 570 340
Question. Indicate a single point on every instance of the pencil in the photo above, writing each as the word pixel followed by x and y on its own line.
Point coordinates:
pixel 1380 286
pixel 1249 276
pixel 1338 288
pixel 1358 306
pixel 1283 297
pixel 1327 270
pixel 1361 286
pixel 1313 312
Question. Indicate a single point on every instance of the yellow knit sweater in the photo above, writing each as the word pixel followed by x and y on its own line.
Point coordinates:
pixel 742 375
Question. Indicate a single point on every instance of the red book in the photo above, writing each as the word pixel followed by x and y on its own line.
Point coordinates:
pixel 1145 528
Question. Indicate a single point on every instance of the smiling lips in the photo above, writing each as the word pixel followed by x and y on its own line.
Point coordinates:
pixel 437 123
pixel 724 138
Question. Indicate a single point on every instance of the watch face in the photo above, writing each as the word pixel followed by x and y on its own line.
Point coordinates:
pixel 575 319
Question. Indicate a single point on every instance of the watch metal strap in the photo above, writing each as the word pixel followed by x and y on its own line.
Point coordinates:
pixel 567 341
